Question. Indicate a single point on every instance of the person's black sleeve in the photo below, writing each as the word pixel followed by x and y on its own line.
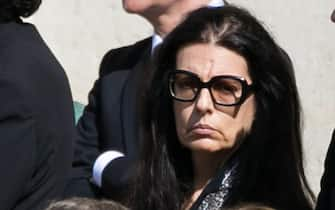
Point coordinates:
pixel 326 198
pixel 17 144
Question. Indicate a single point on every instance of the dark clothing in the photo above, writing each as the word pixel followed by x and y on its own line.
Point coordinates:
pixel 36 120
pixel 219 193
pixel 326 198
pixel 109 122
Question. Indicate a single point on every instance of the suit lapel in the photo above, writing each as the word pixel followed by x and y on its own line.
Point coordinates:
pixel 129 105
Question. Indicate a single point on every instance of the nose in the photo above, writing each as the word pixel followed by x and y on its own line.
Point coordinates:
pixel 204 102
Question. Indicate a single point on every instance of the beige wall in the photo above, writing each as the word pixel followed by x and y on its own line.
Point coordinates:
pixel 80 32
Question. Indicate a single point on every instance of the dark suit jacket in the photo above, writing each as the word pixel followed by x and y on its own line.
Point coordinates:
pixel 36 120
pixel 326 198
pixel 109 122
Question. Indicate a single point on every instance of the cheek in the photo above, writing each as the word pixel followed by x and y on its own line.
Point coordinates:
pixel 246 115
pixel 234 123
pixel 182 116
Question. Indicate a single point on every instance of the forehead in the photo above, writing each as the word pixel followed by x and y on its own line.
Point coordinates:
pixel 209 60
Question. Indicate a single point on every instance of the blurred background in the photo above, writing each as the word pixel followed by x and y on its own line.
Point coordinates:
pixel 80 32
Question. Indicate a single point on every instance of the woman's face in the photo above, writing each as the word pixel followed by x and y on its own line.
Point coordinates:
pixel 202 125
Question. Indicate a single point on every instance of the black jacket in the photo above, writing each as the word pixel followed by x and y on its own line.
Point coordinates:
pixel 36 120
pixel 326 198
pixel 109 122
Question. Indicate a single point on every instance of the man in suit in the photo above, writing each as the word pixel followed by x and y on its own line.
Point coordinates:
pixel 107 142
pixel 36 114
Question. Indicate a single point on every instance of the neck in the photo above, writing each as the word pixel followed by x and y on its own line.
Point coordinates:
pixel 165 23
pixel 205 166
pixel 166 19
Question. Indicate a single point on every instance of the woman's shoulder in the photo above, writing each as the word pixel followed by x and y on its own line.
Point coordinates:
pixel 19 36
pixel 14 28
pixel 24 54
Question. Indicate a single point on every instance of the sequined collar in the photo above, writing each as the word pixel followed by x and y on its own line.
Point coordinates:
pixel 218 192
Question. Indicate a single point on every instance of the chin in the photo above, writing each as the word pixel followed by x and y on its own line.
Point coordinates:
pixel 132 6
pixel 208 146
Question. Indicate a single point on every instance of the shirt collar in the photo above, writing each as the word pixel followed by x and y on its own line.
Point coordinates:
pixel 216 3
pixel 156 40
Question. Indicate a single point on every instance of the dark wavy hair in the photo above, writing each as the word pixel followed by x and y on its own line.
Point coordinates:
pixel 272 170
pixel 81 203
pixel 14 9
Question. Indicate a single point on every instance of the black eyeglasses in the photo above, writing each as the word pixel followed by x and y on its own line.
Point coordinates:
pixel 225 90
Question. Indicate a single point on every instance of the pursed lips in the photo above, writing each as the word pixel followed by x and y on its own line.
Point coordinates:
pixel 202 129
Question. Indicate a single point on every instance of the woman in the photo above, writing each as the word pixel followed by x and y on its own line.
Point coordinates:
pixel 36 114
pixel 222 120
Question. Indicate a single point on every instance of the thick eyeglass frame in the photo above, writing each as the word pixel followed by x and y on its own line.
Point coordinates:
pixel 245 91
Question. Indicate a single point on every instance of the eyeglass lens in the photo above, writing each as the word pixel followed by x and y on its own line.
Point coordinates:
pixel 224 90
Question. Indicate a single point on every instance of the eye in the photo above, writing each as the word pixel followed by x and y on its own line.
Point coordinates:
pixel 185 82
pixel 227 86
